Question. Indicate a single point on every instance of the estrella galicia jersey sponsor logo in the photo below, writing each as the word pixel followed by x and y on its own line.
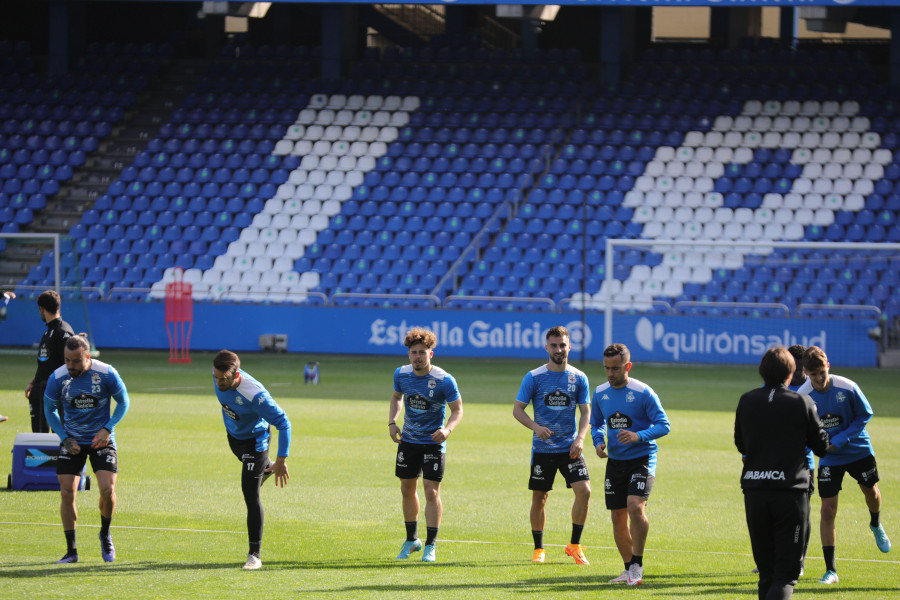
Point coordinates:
pixel 619 420
pixel 417 402
pixel 84 401
pixel 229 412
pixel 771 475
pixel 557 400
pixel 830 421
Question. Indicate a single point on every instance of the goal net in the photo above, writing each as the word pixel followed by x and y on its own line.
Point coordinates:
pixel 746 278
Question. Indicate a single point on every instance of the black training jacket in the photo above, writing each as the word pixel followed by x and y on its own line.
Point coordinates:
pixel 773 427
pixel 52 351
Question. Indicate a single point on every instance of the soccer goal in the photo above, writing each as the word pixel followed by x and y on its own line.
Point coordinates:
pixel 748 278
pixel 31 260
pixel 19 250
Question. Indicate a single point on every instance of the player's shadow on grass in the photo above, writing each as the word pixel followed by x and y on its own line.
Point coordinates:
pixel 93 568
pixel 712 584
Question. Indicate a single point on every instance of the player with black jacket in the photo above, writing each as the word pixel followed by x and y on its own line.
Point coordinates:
pixel 51 356
pixel 772 429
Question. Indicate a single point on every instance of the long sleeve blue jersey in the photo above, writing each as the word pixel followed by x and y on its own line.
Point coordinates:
pixel 634 407
pixel 425 399
pixel 85 401
pixel 810 457
pixel 249 409
pixel 554 396
pixel 844 411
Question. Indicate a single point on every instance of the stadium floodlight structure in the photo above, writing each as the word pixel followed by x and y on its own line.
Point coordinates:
pixel 742 247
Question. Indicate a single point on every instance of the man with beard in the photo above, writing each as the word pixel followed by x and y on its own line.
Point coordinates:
pixel 626 420
pixel 50 356
pixel 554 390
pixel 85 388
pixel 248 410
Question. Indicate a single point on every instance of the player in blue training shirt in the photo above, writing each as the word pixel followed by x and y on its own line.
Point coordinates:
pixel 632 410
pixel 423 391
pixel 248 410
pixel 554 390
pixel 797 381
pixel 844 411
pixel 84 388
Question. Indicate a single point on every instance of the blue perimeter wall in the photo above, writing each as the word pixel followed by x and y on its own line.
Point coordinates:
pixel 328 330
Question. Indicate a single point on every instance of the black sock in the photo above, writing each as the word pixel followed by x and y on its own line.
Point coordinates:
pixel 576 533
pixel 431 535
pixel 875 521
pixel 637 560
pixel 412 530
pixel 104 526
pixel 71 548
pixel 627 564
pixel 538 538
pixel 254 547
pixel 828 553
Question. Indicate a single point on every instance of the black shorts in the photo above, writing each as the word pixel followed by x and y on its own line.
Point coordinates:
pixel 544 466
pixel 254 461
pixel 426 460
pixel 102 459
pixel 864 471
pixel 627 478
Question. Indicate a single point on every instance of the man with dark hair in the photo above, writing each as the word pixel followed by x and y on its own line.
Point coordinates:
pixel 626 420
pixel 85 388
pixel 845 411
pixel 773 427
pixel 555 391
pixel 50 356
pixel 248 410
pixel 423 392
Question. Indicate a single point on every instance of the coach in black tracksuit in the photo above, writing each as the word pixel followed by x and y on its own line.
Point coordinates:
pixel 51 356
pixel 772 429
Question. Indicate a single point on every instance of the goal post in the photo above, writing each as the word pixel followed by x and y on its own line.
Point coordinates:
pixel 9 241
pixel 696 261
pixel 58 261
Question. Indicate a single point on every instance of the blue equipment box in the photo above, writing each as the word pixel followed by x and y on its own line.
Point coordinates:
pixel 34 463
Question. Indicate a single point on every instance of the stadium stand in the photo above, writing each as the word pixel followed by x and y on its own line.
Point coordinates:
pixel 437 179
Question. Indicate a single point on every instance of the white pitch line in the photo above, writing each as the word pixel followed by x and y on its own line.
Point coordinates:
pixel 707 552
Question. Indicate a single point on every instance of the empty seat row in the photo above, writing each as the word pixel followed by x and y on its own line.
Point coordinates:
pixel 809 108
pixel 809 140
pixel 800 124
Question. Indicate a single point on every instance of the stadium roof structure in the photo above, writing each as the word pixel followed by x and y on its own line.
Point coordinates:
pixel 630 3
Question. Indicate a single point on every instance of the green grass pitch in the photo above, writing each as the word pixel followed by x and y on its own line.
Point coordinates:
pixel 334 530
